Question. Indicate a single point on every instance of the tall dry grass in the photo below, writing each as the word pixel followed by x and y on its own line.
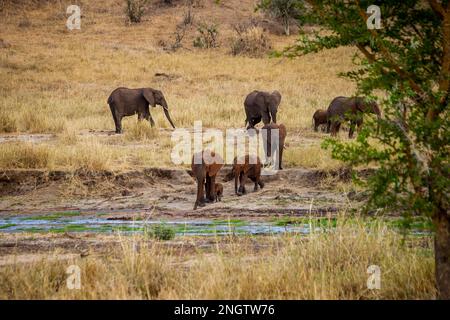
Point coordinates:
pixel 322 265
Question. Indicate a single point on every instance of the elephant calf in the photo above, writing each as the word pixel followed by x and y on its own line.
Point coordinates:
pixel 219 191
pixel 205 175
pixel 125 102
pixel 271 146
pixel 244 168
pixel 320 117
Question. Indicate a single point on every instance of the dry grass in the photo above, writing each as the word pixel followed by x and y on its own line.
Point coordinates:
pixel 329 265
pixel 24 156
pixel 58 81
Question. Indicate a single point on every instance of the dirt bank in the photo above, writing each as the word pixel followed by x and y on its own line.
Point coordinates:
pixel 168 192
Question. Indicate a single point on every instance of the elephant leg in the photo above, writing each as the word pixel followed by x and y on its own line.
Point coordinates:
pixel 212 189
pixel 351 130
pixel 266 118
pixel 359 125
pixel 328 126
pixel 242 182
pixel 208 189
pixel 117 122
pixel 149 118
pixel 280 157
pixel 257 182
pixel 261 184
pixel 334 128
pixel 236 177
pixel 200 198
pixel 316 126
pixel 338 127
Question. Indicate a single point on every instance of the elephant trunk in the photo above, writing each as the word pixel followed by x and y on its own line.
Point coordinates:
pixel 166 112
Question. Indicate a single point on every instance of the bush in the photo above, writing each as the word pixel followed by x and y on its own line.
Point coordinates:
pixel 7 124
pixel 250 41
pixel 135 10
pixel 160 232
pixel 208 36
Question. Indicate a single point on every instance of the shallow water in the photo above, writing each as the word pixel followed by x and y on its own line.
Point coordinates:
pixel 98 224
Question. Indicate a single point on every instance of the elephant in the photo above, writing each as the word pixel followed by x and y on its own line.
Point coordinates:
pixel 349 109
pixel 261 105
pixel 320 117
pixel 125 102
pixel 270 147
pixel 244 168
pixel 205 175
pixel 219 191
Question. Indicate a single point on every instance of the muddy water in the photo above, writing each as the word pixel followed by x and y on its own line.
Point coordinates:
pixel 99 224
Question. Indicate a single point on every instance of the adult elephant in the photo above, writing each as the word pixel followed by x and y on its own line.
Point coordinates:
pixel 125 102
pixel 261 105
pixel 349 109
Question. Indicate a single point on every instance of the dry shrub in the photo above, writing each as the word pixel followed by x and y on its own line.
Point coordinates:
pixel 89 155
pixel 250 42
pixel 7 123
pixel 35 122
pixel 135 10
pixel 140 131
pixel 68 136
pixel 24 156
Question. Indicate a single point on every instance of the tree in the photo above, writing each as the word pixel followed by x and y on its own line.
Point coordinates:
pixel 408 58
pixel 285 10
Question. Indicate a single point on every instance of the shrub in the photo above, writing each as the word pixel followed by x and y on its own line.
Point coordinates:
pixel 250 41
pixel 135 10
pixel 208 36
pixel 160 232
pixel 7 124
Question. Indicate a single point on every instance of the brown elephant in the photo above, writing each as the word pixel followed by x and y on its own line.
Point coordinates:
pixel 261 105
pixel 125 102
pixel 247 167
pixel 271 146
pixel 205 175
pixel 219 191
pixel 349 109
pixel 320 117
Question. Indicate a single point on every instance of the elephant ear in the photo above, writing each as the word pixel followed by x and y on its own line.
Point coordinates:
pixel 149 96
pixel 273 99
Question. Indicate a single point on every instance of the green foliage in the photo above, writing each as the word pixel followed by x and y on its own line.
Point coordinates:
pixel 160 232
pixel 207 37
pixel 404 59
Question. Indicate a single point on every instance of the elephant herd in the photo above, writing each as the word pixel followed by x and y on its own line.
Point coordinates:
pixel 258 106
pixel 343 109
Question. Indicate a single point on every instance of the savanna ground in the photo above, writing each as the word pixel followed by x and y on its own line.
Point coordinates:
pixel 59 156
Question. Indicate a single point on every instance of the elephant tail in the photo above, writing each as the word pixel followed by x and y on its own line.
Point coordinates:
pixel 110 100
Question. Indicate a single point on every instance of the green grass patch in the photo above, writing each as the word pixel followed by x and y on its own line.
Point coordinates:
pixel 53 216
pixel 6 226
